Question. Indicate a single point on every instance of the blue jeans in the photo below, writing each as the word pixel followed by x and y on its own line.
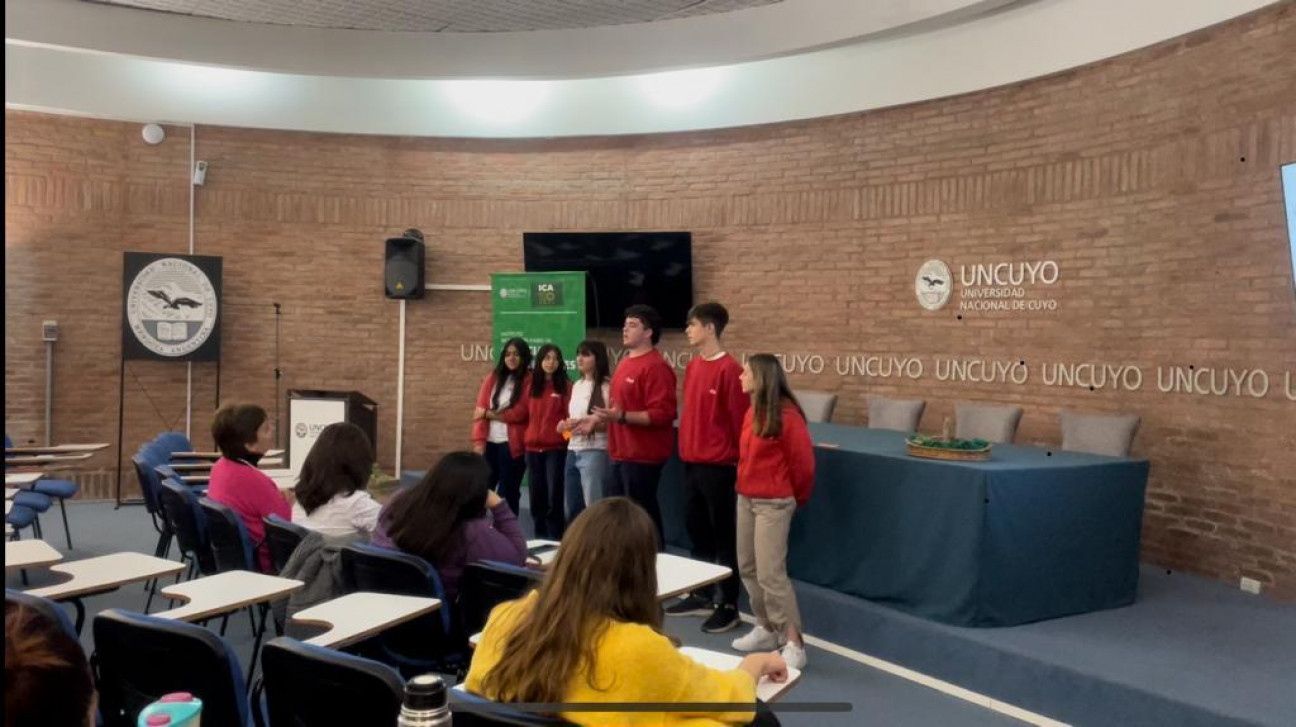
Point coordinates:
pixel 587 471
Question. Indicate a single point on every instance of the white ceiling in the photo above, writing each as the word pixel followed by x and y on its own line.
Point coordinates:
pixel 444 16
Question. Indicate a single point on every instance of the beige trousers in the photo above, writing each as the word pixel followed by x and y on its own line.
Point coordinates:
pixel 762 561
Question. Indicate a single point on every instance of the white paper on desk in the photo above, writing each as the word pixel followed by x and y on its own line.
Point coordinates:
pixel 766 690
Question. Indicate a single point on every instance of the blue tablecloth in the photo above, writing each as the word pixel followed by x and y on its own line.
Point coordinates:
pixel 1029 535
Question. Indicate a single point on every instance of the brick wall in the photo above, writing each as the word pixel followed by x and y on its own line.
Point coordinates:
pixel 1151 179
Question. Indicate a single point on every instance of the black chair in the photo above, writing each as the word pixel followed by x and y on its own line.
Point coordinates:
pixel 487 584
pixel 470 710
pixel 185 518
pixel 43 606
pixel 310 686
pixel 138 659
pixel 427 643
pixel 282 537
pixel 232 549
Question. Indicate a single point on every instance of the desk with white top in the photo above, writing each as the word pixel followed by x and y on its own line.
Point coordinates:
pixel 10 492
pixel 675 574
pixel 357 616
pixel 21 554
pixel 766 690
pixel 104 573
pixel 269 455
pixel 44 459
pixel 9 506
pixel 180 467
pixel 225 592
pixel 195 479
pixel 22 479
pixel 57 449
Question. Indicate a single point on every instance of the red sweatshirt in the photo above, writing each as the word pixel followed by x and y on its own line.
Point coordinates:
pixel 643 383
pixel 545 411
pixel 712 417
pixel 770 469
pixel 515 416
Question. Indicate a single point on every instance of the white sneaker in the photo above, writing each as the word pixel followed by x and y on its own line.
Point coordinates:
pixel 758 639
pixel 794 655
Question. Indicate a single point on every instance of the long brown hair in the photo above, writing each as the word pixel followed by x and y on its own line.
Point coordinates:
pixel 769 390
pixel 338 464
pixel 47 679
pixel 606 570
pixel 428 519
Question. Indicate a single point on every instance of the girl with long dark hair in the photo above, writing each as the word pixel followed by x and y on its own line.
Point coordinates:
pixel 331 495
pixel 546 450
pixel 592 633
pixel 775 476
pixel 452 518
pixel 500 418
pixel 587 456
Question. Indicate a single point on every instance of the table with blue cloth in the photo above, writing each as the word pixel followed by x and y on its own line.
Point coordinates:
pixel 1030 534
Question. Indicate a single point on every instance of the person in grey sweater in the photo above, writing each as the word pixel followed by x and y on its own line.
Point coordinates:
pixel 452 518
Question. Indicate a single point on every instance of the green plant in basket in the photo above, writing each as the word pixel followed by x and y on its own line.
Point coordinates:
pixel 922 440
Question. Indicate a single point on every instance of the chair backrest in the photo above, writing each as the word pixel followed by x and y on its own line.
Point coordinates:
pixel 817 405
pixel 139 659
pixel 997 424
pixel 230 545
pixel 43 606
pixel 471 710
pixel 185 518
pixel 146 460
pixel 487 584
pixel 174 442
pixel 282 537
pixel 428 639
pixel 310 686
pixel 901 415
pixel 8 441
pixel 1109 434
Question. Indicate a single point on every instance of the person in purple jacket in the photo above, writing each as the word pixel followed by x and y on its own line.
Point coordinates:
pixel 444 520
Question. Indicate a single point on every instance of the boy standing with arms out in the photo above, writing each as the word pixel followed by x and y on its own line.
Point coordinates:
pixel 641 417
pixel 710 424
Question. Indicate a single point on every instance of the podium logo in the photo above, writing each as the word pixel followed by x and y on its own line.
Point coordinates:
pixel 171 307
pixel 546 294
pixel 933 285
pixel 301 430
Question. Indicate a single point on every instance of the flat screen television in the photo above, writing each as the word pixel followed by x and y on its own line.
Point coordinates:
pixel 625 269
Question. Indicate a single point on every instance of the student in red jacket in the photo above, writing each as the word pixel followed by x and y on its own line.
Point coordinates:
pixel 641 416
pixel 499 421
pixel 709 427
pixel 775 475
pixel 243 434
pixel 546 450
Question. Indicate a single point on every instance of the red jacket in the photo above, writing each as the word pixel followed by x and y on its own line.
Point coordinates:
pixel 770 469
pixel 546 411
pixel 515 416
pixel 643 383
pixel 714 405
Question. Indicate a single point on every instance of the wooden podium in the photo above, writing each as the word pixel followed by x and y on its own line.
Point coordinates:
pixel 309 411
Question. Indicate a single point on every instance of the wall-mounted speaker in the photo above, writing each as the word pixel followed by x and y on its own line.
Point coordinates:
pixel 403 270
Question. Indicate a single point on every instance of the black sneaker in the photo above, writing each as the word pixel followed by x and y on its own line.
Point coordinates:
pixel 690 605
pixel 724 618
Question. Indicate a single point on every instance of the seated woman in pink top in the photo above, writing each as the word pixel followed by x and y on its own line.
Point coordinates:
pixel 243 435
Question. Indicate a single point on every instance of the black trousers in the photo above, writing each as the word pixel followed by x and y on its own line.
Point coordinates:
pixel 711 517
pixel 638 481
pixel 506 473
pixel 547 492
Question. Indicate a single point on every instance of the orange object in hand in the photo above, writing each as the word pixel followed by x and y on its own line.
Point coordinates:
pixel 567 435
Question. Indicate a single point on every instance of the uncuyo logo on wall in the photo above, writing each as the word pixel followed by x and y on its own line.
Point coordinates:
pixel 171 307
pixel 301 430
pixel 933 285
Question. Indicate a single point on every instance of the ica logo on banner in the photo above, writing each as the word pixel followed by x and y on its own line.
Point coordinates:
pixel 546 294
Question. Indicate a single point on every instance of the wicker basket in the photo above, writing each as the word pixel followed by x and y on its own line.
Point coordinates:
pixel 953 455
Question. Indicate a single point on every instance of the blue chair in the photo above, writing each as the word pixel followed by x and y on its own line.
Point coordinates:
pixel 310 686
pixel 21 517
pixel 232 549
pixel 138 659
pixel 487 584
pixel 282 537
pixel 184 517
pixel 44 606
pixel 145 461
pixel 35 502
pixel 427 643
pixel 173 442
pixel 471 710
pixel 59 489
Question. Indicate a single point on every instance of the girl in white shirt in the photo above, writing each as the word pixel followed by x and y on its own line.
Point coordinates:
pixel 330 493
pixel 587 455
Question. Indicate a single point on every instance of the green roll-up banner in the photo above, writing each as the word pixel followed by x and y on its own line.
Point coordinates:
pixel 539 308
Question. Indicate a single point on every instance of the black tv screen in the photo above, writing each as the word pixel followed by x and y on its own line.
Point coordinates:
pixel 625 269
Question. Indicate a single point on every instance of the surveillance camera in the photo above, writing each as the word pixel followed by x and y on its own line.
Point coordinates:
pixel 200 173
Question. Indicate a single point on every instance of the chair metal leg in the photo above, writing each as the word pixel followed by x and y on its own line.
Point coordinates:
pixel 224 623
pixel 256 641
pixel 80 614
pixel 67 531
pixel 36 528
pixel 152 592
pixel 23 573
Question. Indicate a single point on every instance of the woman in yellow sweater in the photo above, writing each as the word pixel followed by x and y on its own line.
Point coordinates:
pixel 592 634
